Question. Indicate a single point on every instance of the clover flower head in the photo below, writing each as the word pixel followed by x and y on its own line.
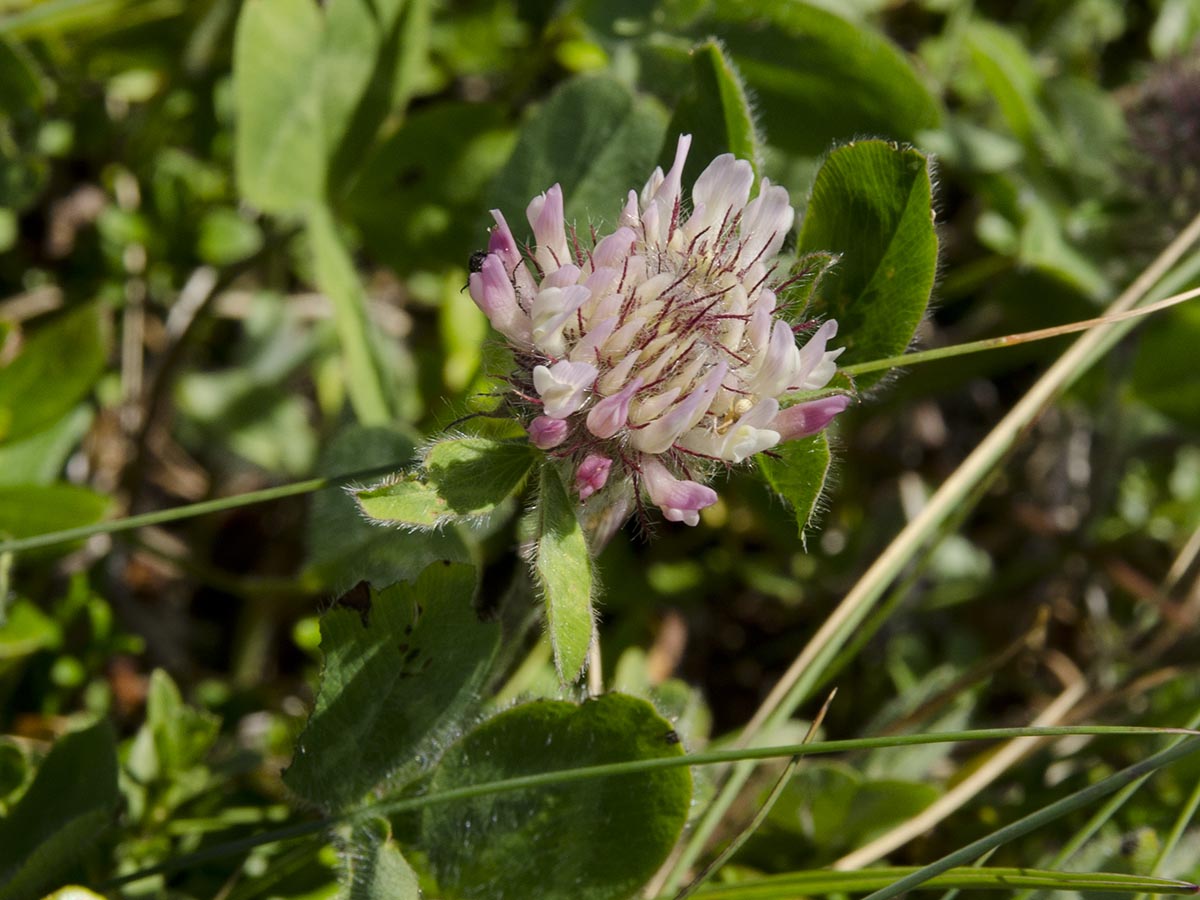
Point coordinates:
pixel 649 358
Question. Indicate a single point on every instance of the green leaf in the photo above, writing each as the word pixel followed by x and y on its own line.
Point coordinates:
pixel 168 755
pixel 54 371
pixel 1175 29
pixel 280 150
pixel 591 840
pixel 55 18
pixel 337 279
pixel 832 807
pixel 871 203
pixel 248 411
pixel 174 738
pixel 461 479
pixel 24 631
pixel 312 87
pixel 26 510
pixel 1044 246
pixel 806 274
pixel 226 237
pixel 343 547
pixel 593 137
pixel 563 566
pixel 798 475
pixel 14 768
pixel 799 884
pixel 399 671
pixel 418 188
pixel 9 232
pixel 61 816
pixel 1012 79
pixel 375 867
pixel 372 52
pixel 405 500
pixel 463 329
pixel 23 85
pixel 715 112
pixel 817 78
pixel 247 405
pixel 39 457
pixel 475 475
pixel 1089 122
pixel 1164 373
pixel 964 145
pixel 352 59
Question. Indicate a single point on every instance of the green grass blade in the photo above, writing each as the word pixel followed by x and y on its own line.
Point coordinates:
pixel 191 510
pixel 794 884
pixel 1011 340
pixel 1181 823
pixel 1102 815
pixel 1036 820
pixel 710 757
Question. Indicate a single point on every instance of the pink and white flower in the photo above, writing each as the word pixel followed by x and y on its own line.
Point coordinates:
pixel 546 432
pixel 592 474
pixel 652 356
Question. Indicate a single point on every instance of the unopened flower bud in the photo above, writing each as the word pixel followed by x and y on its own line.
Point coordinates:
pixel 806 419
pixel 592 474
pixel 546 433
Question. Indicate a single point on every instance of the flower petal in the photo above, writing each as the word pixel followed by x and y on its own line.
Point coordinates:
pixel 592 474
pixel 545 433
pixel 493 293
pixel 563 386
pixel 552 307
pixel 680 501
pixel 662 194
pixel 780 364
pixel 659 435
pixel 805 419
pixel 545 214
pixel 502 242
pixel 562 277
pixel 720 194
pixel 587 350
pixel 612 249
pixel 817 365
pixel 765 223
pixel 629 215
pixel 749 435
pixel 610 414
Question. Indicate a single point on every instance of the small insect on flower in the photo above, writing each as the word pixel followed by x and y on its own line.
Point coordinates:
pixel 652 357
pixel 474 264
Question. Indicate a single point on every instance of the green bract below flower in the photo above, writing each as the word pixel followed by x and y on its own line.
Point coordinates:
pixel 657 355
